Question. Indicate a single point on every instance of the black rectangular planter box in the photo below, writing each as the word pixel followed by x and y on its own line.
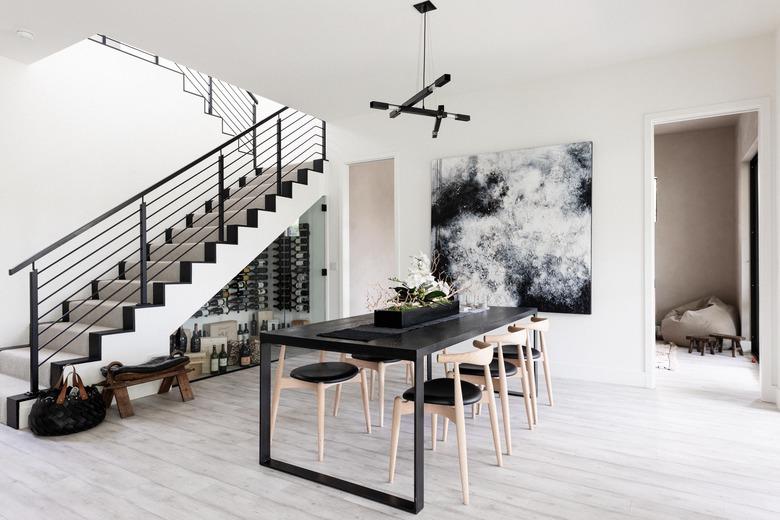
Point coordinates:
pixel 412 317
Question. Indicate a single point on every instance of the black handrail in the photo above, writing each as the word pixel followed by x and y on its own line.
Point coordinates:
pixel 92 223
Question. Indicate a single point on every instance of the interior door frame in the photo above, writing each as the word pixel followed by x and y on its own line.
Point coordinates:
pixel 768 198
pixel 345 263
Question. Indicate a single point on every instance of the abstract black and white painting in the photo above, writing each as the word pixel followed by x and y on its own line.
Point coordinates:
pixel 514 228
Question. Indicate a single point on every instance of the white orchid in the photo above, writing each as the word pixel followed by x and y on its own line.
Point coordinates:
pixel 420 287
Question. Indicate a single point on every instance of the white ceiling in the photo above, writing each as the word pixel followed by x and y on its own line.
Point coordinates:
pixel 331 58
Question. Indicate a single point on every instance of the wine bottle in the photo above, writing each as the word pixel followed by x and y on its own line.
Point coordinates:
pixel 245 354
pixel 253 331
pixel 264 325
pixel 222 361
pixel 181 340
pixel 214 366
pixel 195 340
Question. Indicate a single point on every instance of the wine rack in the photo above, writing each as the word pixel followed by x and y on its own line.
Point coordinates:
pixel 247 291
pixel 291 271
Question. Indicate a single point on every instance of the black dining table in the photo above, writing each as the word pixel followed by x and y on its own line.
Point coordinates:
pixel 416 344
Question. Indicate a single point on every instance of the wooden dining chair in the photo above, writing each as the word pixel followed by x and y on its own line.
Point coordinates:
pixel 447 396
pixel 318 377
pixel 376 365
pixel 541 326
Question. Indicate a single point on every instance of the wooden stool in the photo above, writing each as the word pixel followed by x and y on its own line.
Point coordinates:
pixel 736 345
pixel 119 377
pixel 700 343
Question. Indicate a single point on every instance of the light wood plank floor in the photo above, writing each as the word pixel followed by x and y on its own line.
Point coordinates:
pixel 697 447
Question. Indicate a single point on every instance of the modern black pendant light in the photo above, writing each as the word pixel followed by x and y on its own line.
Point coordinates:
pixel 408 106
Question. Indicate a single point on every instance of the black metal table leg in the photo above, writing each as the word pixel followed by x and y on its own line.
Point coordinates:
pixel 265 403
pixel 412 506
pixel 429 366
pixel 419 432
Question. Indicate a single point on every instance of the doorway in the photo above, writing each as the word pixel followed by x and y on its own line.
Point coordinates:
pixel 372 240
pixel 705 253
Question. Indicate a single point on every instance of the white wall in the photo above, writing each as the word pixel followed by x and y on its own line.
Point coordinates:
pixel 80 132
pixel 606 106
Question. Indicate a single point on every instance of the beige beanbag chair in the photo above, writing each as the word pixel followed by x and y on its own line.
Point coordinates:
pixel 699 318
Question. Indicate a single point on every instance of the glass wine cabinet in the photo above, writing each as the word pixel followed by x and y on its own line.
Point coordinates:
pixel 284 286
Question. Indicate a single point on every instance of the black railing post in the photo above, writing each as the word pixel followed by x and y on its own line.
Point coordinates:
pixel 254 138
pixel 211 92
pixel 278 156
pixel 143 253
pixel 324 141
pixel 221 197
pixel 33 330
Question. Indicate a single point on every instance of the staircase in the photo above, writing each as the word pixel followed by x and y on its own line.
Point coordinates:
pixel 119 285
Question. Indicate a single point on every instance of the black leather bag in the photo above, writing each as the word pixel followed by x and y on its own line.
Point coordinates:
pixel 64 409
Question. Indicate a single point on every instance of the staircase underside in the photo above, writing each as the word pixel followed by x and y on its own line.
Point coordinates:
pixel 185 270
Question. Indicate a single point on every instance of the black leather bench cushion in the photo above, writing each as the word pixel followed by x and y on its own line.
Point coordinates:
pixel 442 391
pixel 157 364
pixel 328 372
pixel 375 358
pixel 479 370
pixel 510 351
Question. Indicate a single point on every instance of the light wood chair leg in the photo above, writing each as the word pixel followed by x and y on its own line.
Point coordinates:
pixel 277 390
pixel 320 422
pixel 395 428
pixel 529 413
pixel 371 379
pixel 546 366
pixel 337 400
pixel 493 411
pixel 381 371
pixel 364 392
pixel 504 396
pixel 434 425
pixel 460 429
pixel 529 359
pixel 446 428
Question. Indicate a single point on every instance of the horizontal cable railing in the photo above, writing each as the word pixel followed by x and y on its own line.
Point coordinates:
pixel 123 251
pixel 235 106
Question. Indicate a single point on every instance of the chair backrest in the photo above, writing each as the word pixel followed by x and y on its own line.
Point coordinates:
pixel 482 356
pixel 516 337
pixel 536 323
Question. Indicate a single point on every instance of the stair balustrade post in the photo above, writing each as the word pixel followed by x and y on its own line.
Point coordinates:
pixel 278 156
pixel 254 137
pixel 143 252
pixel 324 142
pixel 33 331
pixel 211 93
pixel 221 197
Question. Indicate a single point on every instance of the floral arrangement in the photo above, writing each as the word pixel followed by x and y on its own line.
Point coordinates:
pixel 419 289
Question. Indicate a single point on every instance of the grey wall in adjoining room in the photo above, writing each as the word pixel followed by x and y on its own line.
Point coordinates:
pixel 696 231
pixel 371 230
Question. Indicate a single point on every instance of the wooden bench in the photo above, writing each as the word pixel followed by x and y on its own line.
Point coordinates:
pixel 119 377
pixel 700 344
pixel 736 344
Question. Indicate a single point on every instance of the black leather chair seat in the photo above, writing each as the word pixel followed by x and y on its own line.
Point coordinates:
pixel 510 351
pixel 479 370
pixel 157 364
pixel 328 372
pixel 375 358
pixel 442 391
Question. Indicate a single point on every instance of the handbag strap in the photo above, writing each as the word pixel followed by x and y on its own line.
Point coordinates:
pixel 77 382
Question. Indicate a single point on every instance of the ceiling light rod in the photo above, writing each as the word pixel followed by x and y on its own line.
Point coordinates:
pixel 407 107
